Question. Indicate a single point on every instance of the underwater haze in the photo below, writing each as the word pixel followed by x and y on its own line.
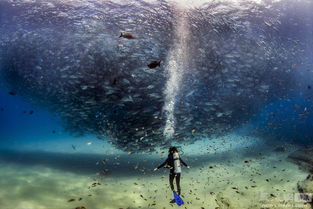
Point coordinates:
pixel 93 93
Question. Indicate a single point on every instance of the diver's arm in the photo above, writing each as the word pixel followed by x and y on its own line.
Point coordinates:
pixel 163 164
pixel 181 160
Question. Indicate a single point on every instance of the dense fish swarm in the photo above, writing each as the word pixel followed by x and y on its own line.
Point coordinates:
pixel 68 58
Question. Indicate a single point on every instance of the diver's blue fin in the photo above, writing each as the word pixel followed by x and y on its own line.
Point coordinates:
pixel 179 201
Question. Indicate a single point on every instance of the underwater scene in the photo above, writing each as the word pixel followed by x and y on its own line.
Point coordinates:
pixel 156 104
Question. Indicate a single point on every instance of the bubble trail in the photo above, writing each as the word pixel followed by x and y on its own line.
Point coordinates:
pixel 176 62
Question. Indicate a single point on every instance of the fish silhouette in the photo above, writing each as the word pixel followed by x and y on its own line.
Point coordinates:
pixel 154 64
pixel 127 35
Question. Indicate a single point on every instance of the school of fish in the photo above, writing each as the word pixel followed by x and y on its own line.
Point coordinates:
pixel 99 65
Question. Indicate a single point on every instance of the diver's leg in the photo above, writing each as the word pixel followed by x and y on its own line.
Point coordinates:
pixel 178 183
pixel 171 178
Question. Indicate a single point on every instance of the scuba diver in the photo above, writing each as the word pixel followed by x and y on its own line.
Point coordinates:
pixel 173 162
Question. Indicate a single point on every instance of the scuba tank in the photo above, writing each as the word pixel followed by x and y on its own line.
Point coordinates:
pixel 177 166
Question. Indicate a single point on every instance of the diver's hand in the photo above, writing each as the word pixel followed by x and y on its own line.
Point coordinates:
pixel 155 169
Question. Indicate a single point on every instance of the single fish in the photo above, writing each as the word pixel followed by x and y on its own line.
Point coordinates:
pixel 114 82
pixel 81 207
pixel 12 93
pixel 127 35
pixel 297 107
pixel 154 64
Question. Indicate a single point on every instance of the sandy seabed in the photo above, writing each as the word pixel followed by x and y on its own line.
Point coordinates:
pixel 237 180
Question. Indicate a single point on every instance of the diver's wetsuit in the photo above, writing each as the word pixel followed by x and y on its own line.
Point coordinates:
pixel 169 162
